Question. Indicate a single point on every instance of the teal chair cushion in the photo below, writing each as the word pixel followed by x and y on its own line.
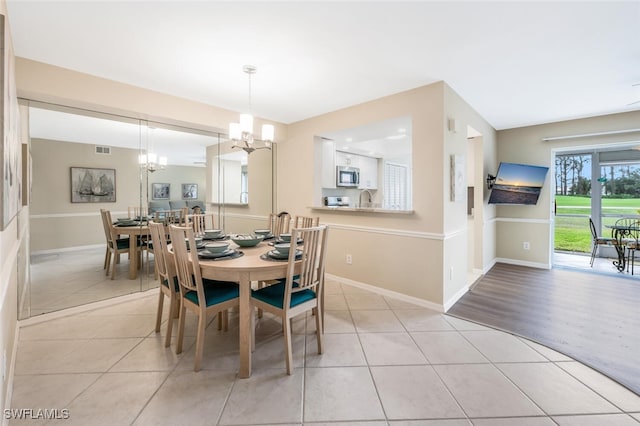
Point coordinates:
pixel 122 243
pixel 215 292
pixel 274 295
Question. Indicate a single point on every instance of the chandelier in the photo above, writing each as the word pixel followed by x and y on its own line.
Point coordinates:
pixel 241 134
pixel 152 162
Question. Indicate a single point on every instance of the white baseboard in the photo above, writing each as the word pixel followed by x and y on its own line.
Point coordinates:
pixel 453 299
pixel 390 293
pixel 523 263
pixel 489 266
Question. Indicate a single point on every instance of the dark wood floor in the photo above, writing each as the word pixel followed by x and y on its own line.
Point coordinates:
pixel 594 318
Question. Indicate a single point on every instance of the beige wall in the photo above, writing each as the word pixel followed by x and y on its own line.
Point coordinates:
pixel 516 224
pixel 456 221
pixel 421 255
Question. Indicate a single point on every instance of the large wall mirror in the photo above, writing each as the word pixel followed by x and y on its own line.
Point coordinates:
pixel 84 161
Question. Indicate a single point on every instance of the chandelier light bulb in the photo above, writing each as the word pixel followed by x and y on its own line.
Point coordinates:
pixel 246 123
pixel 235 131
pixel 268 132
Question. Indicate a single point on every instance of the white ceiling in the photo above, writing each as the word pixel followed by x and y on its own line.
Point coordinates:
pixel 516 63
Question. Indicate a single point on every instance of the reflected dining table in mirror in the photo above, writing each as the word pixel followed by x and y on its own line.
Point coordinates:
pixel 252 266
pixel 133 231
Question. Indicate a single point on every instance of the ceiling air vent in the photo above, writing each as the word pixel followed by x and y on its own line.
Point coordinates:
pixel 105 150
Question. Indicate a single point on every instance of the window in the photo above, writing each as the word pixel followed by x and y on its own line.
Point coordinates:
pixel 396 187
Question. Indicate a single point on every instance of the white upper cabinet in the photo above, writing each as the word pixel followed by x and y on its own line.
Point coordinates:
pixel 368 172
pixel 328 164
pixel 346 159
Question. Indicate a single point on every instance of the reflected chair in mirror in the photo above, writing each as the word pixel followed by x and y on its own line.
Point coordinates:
pixel 166 271
pixel 597 241
pixel 306 222
pixel 301 291
pixel 201 222
pixel 115 245
pixel 279 223
pixel 184 212
pixel 198 295
pixel 137 212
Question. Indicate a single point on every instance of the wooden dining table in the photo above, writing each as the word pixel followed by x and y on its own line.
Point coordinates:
pixel 133 232
pixel 243 270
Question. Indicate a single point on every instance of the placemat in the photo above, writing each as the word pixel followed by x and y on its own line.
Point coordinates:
pixel 235 255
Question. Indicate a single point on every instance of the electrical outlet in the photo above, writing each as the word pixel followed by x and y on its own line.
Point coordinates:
pixel 349 259
pixel 525 245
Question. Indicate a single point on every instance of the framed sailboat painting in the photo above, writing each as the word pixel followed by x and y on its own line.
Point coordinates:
pixel 91 185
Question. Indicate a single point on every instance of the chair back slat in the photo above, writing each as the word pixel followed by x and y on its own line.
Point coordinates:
pixel 187 264
pixel 279 223
pixel 137 211
pixel 311 273
pixel 109 229
pixel 201 222
pixel 306 222
pixel 165 265
pixel 105 225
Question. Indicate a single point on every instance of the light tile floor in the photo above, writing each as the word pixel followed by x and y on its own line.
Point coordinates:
pixel 73 278
pixel 385 362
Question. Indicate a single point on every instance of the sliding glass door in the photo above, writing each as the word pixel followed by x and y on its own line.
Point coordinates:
pixel 603 185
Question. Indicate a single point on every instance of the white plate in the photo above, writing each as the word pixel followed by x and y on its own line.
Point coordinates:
pixel 277 255
pixel 208 255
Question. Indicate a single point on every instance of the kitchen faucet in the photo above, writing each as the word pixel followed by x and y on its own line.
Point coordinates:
pixel 360 197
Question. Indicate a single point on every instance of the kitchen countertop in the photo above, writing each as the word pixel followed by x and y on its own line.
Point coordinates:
pixel 361 209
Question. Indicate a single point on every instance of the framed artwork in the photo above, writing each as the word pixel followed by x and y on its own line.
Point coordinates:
pixel 10 149
pixel 92 185
pixel 160 191
pixel 458 185
pixel 189 191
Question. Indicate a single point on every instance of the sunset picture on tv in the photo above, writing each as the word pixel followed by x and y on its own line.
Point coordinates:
pixel 518 184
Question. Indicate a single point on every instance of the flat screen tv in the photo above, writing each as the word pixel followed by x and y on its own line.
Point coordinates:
pixel 517 184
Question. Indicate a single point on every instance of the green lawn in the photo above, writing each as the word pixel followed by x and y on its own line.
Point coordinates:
pixel 572 233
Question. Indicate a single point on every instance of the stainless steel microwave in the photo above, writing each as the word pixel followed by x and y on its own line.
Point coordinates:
pixel 347 176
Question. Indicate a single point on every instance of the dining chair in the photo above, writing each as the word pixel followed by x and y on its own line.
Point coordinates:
pixel 166 271
pixel 198 295
pixel 115 245
pixel 279 223
pixel 184 212
pixel 137 212
pixel 305 221
pixel 201 222
pixel 302 289
pixel 597 241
